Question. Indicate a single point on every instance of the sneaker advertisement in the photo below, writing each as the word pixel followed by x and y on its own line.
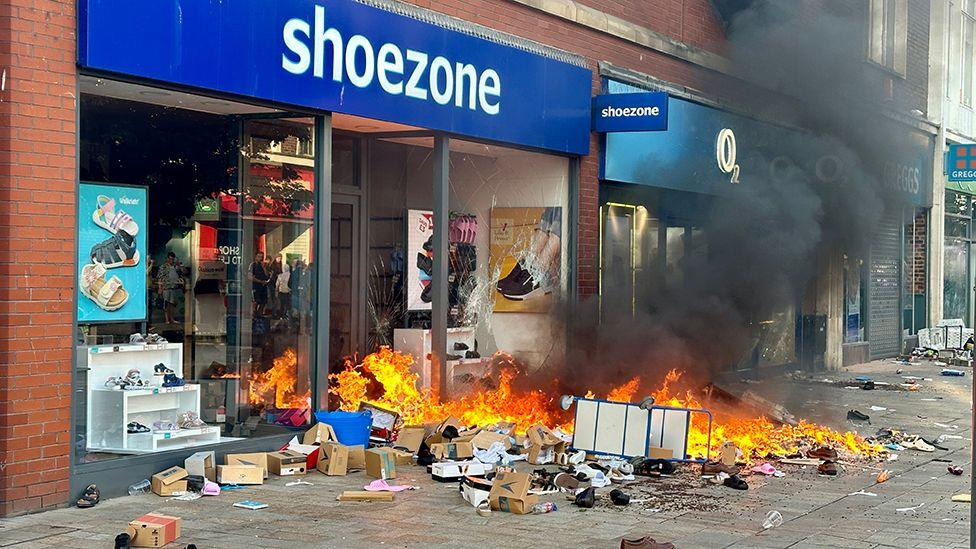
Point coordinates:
pixel 526 252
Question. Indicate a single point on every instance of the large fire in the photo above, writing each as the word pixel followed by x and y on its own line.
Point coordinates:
pixel 279 384
pixel 384 378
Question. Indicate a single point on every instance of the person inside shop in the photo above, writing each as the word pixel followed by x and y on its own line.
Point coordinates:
pixel 169 282
pixel 283 288
pixel 259 276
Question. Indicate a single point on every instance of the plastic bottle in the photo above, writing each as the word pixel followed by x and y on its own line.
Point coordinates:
pixel 772 520
pixel 141 487
pixel 543 508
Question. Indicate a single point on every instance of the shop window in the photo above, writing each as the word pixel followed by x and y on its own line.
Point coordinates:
pixel 914 281
pixel 958 270
pixel 888 34
pixel 227 271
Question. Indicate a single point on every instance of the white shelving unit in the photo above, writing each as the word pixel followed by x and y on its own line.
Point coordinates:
pixel 110 410
pixel 417 343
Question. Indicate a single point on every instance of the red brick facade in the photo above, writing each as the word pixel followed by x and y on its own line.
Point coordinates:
pixel 37 210
pixel 38 185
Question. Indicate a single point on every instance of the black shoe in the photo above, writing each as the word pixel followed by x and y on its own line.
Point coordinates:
pixel 854 415
pixel 459 346
pixel 618 497
pixel 122 541
pixel 736 483
pixel 161 370
pixel 135 428
pixel 472 354
pixel 425 263
pixel 586 498
pixel 453 357
pixel 519 285
pixel 425 294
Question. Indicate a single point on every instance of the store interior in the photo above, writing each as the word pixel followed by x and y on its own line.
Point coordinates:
pixel 231 258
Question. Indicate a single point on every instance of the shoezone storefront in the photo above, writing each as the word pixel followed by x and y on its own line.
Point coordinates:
pixel 269 189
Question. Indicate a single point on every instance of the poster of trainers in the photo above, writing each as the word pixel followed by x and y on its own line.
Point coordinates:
pixel 525 254
pixel 420 259
pixel 111 272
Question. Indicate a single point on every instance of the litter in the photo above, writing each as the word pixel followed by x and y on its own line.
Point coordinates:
pixel 883 476
pixel 878 408
pixel 863 493
pixel 252 505
pixel 299 482
pixel 768 470
pixel 895 447
pixel 772 520
pixel 943 438
pixel 854 415
pixel 380 485
pixel 188 496
pixel 355 495
pixel 953 373
pixel 944 426
pixel 910 509
pixel 961 498
pixel 955 470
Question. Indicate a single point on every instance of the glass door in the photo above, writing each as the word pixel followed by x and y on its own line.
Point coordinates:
pixel 344 323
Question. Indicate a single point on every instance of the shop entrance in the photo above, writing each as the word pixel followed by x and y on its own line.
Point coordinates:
pixel 345 336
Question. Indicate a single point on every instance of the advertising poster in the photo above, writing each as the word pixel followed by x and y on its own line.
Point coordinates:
pixel 420 232
pixel 525 250
pixel 112 233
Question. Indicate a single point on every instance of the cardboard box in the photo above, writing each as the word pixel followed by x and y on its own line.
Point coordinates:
pixel 333 459
pixel 357 458
pixel 654 452
pixel 403 457
pixel 452 471
pixel 240 474
pixel 543 445
pixel 154 530
pixel 452 450
pixel 437 437
pixel 410 438
pixel 475 490
pixel 169 481
pixel 510 493
pixel 258 459
pixel 484 439
pixel 319 434
pixel 202 464
pixel 466 435
pixel 380 463
pixel 311 452
pixel 286 463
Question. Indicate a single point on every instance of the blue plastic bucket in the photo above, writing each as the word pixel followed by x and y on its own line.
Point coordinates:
pixel 352 428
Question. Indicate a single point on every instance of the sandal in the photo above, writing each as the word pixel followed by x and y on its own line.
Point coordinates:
pixel 135 428
pixel 90 497
pixel 110 219
pixel 736 483
pixel 118 250
pixel 108 295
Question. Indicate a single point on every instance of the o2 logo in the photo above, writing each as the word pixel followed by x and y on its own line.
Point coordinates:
pixel 725 154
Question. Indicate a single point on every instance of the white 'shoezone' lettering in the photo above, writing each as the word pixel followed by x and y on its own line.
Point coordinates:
pixel 630 112
pixel 448 82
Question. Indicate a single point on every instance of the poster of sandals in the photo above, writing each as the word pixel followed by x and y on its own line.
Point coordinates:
pixel 112 234
pixel 524 252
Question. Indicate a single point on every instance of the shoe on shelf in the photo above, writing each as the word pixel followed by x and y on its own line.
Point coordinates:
pixel 161 370
pixel 136 428
pixel 115 383
pixel 170 380
pixel 190 420
pixel 137 338
pixel 460 346
pixel 165 426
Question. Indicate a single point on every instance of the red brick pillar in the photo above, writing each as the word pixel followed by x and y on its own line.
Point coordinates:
pixel 38 105
pixel 588 245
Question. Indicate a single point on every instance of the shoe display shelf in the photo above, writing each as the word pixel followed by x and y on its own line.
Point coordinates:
pixel 111 410
pixel 417 343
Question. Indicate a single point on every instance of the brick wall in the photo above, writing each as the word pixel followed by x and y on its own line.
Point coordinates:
pixel 693 22
pixel 37 214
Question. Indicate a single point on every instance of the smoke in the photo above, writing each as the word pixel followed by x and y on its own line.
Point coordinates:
pixel 753 267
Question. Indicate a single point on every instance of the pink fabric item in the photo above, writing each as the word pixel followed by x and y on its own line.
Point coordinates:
pixel 382 486
pixel 211 488
pixel 765 469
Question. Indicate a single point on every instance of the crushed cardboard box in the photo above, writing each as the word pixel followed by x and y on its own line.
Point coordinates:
pixel 287 463
pixel 169 481
pixel 257 459
pixel 240 474
pixel 452 450
pixel 333 459
pixel 510 493
pixel 202 464
pixel 381 463
pixel 484 439
pixel 543 445
pixel 154 530
pixel 438 434
pixel 410 439
pixel 357 458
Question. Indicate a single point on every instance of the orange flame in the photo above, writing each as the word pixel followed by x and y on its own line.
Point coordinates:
pixel 384 378
pixel 279 383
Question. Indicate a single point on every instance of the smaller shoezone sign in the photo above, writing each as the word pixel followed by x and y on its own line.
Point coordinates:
pixel 961 163
pixel 630 112
pixel 111 265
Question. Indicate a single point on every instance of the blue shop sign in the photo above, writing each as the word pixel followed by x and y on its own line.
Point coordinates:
pixel 630 112
pixel 710 151
pixel 961 163
pixel 348 57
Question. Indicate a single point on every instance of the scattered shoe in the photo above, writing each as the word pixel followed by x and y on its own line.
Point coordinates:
pixel 123 541
pixel 586 498
pixel 567 482
pixel 135 427
pixel 736 483
pixel 827 468
pixel 715 467
pixel 645 542
pixel 90 497
pixel 161 370
pixel 655 468
pixel 855 415
pixel 955 470
pixel 619 498
pixel 600 480
pixel 823 452
pixel 719 478
pixel 586 471
pixel 918 444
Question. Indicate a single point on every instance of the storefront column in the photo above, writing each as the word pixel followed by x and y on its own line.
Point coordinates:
pixel 439 304
pixel 936 234
pixel 323 257
pixel 830 303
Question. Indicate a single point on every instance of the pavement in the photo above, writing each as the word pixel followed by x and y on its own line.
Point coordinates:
pixel 912 509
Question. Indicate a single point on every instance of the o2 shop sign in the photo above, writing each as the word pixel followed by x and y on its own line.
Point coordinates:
pixel 630 112
pixel 827 168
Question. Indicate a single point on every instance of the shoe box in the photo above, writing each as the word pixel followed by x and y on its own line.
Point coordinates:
pixel 287 463
pixel 154 530
pixel 452 471
pixel 510 493
pixel 257 459
pixel 168 482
